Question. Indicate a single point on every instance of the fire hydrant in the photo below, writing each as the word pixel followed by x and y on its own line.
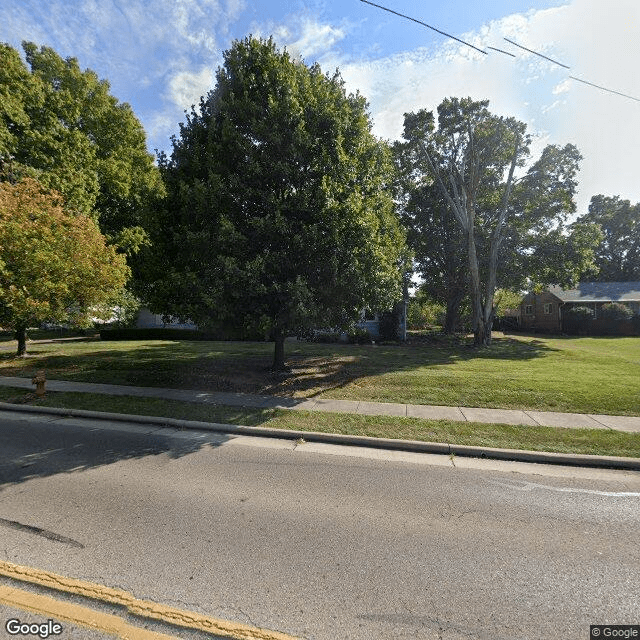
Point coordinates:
pixel 39 380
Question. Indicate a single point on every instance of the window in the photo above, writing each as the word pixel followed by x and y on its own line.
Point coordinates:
pixel 528 310
pixel 548 307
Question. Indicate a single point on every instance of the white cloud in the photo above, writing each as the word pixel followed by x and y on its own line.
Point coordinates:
pixel 186 88
pixel 551 106
pixel 304 36
pixel 157 54
pixel 315 38
pixel 598 41
pixel 562 87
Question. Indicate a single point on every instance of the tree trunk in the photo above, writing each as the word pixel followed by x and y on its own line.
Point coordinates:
pixel 482 333
pixel 452 317
pixel 278 354
pixel 21 337
pixel 479 326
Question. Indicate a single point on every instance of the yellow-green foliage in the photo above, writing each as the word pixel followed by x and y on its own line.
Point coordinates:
pixel 54 265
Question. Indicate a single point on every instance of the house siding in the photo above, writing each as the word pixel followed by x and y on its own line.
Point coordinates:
pixel 535 314
pixel 148 320
pixel 544 312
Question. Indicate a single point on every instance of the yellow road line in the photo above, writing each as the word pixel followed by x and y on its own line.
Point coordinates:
pixel 76 614
pixel 144 608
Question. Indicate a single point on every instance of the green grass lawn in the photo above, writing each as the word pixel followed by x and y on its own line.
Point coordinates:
pixel 582 441
pixel 587 375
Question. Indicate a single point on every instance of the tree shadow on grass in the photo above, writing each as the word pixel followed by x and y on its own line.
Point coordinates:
pixel 313 369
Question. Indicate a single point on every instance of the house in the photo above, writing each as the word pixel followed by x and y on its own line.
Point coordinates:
pixel 148 320
pixel 544 311
pixel 368 321
pixel 371 321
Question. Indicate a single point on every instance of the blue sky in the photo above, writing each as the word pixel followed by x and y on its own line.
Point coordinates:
pixel 161 56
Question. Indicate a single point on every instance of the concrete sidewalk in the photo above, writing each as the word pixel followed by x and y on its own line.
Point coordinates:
pixel 428 412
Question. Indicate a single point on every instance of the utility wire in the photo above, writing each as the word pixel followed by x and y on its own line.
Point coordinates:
pixel 535 53
pixel 448 35
pixel 597 86
pixel 424 24
pixel 591 84
pixel 506 53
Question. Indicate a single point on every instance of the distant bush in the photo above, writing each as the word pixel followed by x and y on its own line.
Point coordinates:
pixel 357 335
pixel 616 312
pixel 160 333
pixel 328 337
pixel 577 320
pixel 422 313
pixel 389 327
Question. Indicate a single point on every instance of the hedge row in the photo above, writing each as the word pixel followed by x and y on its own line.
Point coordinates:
pixel 169 334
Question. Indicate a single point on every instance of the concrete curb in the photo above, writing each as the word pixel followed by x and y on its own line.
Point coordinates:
pixel 415 446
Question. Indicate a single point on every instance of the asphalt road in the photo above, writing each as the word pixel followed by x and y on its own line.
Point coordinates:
pixel 323 542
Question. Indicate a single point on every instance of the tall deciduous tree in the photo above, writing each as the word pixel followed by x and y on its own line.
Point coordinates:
pixel 618 255
pixel 509 223
pixel 278 212
pixel 432 230
pixel 54 264
pixel 61 125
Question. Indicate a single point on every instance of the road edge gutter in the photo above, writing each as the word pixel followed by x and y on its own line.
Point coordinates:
pixel 414 446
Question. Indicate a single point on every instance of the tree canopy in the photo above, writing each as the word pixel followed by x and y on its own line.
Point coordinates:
pixel 54 264
pixel 617 257
pixel 278 214
pixel 62 126
pixel 470 197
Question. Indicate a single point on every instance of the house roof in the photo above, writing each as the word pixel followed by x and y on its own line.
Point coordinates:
pixel 599 292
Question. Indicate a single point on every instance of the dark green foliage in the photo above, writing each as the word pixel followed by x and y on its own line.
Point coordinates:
pixel 358 335
pixel 617 257
pixel 325 337
pixel 612 319
pixel 61 125
pixel 389 326
pixel 423 312
pixel 616 311
pixel 577 320
pixel 474 227
pixel 278 214
pixel 432 231
pixel 161 333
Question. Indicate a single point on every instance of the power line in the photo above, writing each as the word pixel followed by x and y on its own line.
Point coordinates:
pixel 506 53
pixel 591 84
pixel 448 35
pixel 597 86
pixel 535 53
pixel 424 24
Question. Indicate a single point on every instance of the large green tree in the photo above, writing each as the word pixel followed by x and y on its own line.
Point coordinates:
pixel 278 214
pixel 61 125
pixel 618 255
pixel 467 185
pixel 433 235
pixel 54 264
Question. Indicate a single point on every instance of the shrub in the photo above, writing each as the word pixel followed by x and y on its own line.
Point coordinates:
pixel 422 314
pixel 577 320
pixel 159 333
pixel 329 337
pixel 615 311
pixel 357 335
pixel 389 326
